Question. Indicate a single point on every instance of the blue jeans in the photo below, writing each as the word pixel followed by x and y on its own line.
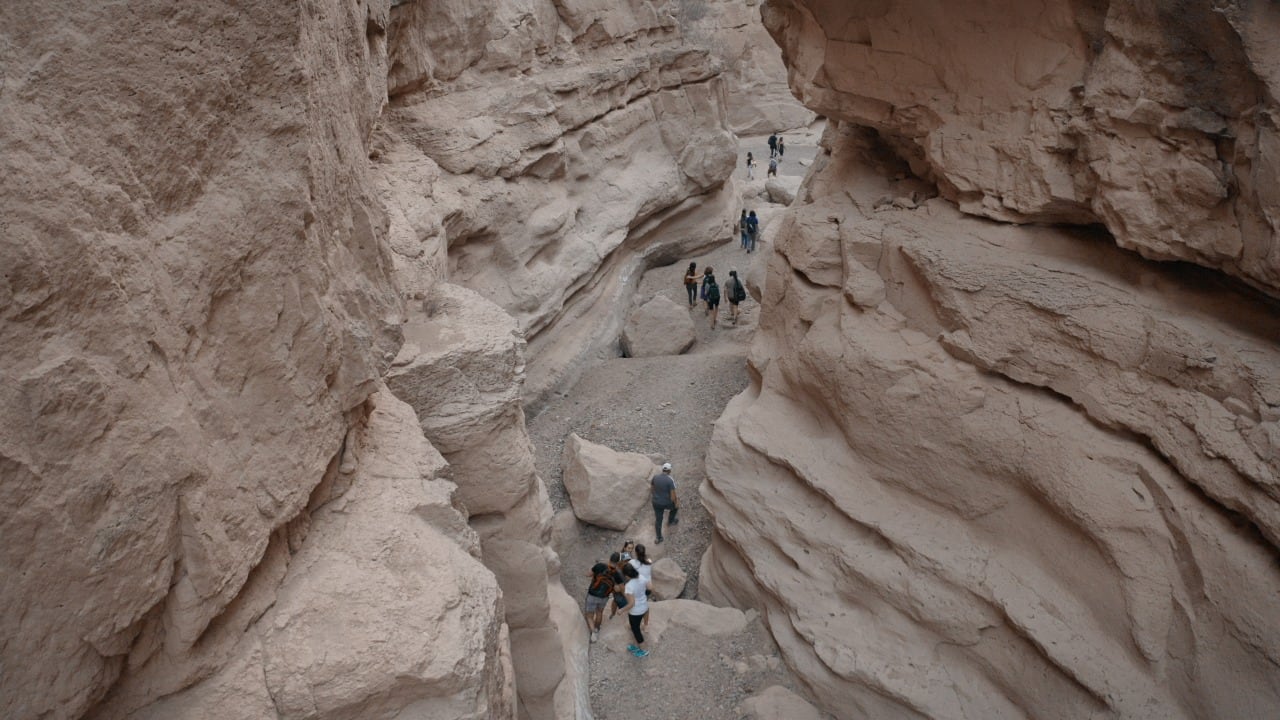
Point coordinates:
pixel 657 517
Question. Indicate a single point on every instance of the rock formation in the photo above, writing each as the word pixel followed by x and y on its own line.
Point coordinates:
pixel 461 368
pixel 994 470
pixel 542 154
pixel 213 216
pixel 195 303
pixel 661 326
pixel 607 487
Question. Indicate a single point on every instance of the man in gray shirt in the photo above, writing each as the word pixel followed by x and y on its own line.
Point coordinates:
pixel 664 499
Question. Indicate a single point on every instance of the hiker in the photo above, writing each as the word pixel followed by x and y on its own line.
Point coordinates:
pixel 737 293
pixel 773 145
pixel 703 293
pixel 691 281
pixel 713 297
pixel 637 607
pixel 773 168
pixel 644 566
pixel 742 228
pixel 782 148
pixel 599 590
pixel 753 231
pixel 615 574
pixel 663 497
pixel 751 167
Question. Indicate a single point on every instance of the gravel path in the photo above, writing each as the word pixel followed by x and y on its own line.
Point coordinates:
pixel 665 407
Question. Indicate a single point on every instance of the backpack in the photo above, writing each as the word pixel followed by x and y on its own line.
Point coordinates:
pixel 713 292
pixel 737 294
pixel 601 586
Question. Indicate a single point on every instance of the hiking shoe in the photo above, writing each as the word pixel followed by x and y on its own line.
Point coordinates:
pixel 640 652
pixel 660 539
pixel 673 522
pixel 632 649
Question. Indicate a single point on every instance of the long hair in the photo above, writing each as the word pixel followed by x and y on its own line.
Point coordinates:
pixel 642 556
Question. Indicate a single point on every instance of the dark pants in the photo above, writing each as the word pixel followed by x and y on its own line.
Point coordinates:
pixel 693 297
pixel 635 628
pixel 657 517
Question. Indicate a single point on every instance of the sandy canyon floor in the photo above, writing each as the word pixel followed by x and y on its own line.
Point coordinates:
pixel 665 406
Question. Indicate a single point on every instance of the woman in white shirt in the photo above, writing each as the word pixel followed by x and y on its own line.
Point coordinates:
pixel 637 607
pixel 644 566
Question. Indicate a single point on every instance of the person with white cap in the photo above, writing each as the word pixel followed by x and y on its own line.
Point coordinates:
pixel 664 499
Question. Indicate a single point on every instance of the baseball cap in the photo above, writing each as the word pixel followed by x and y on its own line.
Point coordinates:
pixel 666 467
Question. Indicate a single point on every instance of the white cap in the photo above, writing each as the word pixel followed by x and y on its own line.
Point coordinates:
pixel 666 467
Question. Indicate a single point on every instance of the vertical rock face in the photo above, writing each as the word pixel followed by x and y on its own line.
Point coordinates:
pixel 194 295
pixel 462 368
pixel 1158 120
pixel 992 470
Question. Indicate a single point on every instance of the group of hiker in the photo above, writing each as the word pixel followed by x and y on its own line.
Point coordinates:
pixel 709 294
pixel 624 583
pixel 777 148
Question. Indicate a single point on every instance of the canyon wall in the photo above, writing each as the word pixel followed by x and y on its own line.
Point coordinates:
pixel 1004 470
pixel 220 223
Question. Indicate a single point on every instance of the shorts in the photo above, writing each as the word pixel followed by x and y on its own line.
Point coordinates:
pixel 713 304
pixel 596 604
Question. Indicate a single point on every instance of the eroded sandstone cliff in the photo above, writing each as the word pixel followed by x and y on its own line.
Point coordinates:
pixel 994 470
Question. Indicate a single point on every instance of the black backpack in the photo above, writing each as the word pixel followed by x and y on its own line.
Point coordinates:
pixel 601 585
pixel 713 292
pixel 738 294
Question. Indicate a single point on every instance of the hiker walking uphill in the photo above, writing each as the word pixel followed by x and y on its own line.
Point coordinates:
pixel 691 283
pixel 773 145
pixel 752 232
pixel 663 496
pixel 712 290
pixel 737 293
pixel 742 228
pixel 599 591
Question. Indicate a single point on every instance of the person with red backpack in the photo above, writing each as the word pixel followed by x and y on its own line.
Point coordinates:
pixel 599 591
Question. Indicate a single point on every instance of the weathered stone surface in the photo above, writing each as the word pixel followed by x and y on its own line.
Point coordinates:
pixel 461 368
pixel 195 292
pixel 572 145
pixel 668 579
pixel 1040 468
pixel 658 327
pixel 1154 119
pixel 382 606
pixel 782 189
pixel 777 702
pixel 678 616
pixel 607 487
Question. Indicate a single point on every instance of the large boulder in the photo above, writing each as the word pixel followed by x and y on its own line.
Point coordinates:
pixel 607 487
pixel 782 189
pixel 659 327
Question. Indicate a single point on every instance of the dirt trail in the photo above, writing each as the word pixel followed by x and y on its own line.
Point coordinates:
pixel 666 406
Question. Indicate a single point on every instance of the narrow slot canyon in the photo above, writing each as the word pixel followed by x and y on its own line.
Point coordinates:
pixel 339 340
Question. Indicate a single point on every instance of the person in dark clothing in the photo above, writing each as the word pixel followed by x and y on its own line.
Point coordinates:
pixel 773 145
pixel 753 231
pixel 691 283
pixel 736 293
pixel 782 147
pixel 742 228
pixel 663 497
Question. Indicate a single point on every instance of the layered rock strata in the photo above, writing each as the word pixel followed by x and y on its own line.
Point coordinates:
pixel 997 471
pixel 544 162
pixel 1157 120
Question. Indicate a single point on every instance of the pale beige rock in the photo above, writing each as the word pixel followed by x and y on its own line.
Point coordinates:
pixel 904 469
pixel 782 189
pixel 462 367
pixel 776 702
pixel 661 326
pixel 668 579
pixel 195 294
pixel 687 617
pixel 607 487
pixel 383 608
pixel 1150 119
